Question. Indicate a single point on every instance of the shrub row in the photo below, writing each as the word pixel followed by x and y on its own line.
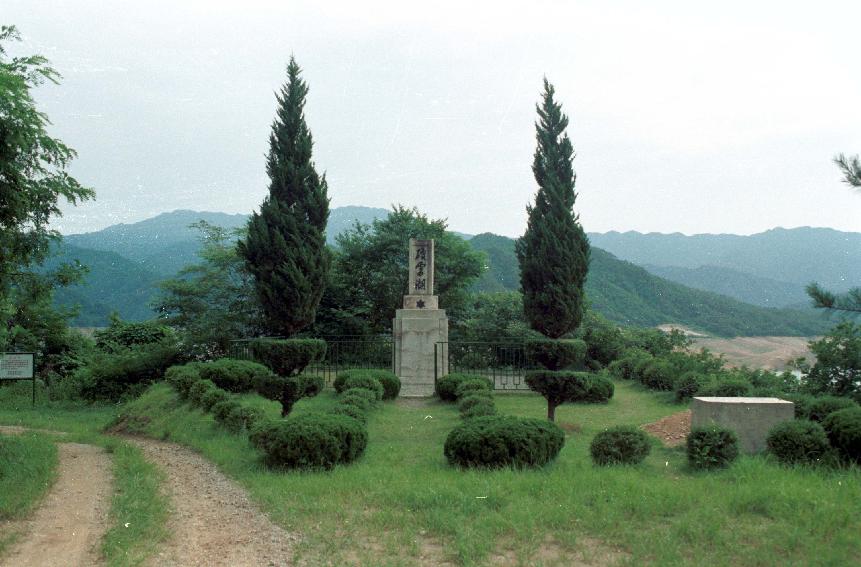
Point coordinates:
pixel 807 441
pixel 361 378
pixel 485 439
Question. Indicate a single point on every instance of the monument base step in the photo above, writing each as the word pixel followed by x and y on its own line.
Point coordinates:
pixel 416 390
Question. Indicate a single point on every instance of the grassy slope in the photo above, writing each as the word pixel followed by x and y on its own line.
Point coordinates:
pixel 137 499
pixel 402 504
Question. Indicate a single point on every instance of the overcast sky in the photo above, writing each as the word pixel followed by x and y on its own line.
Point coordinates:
pixel 685 116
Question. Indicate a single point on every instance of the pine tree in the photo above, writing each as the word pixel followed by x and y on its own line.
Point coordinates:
pixel 285 249
pixel 554 252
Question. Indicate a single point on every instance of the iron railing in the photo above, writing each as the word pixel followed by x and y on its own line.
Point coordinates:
pixel 504 363
pixel 342 353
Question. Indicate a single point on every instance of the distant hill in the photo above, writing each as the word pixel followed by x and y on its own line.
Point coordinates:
pixel 113 283
pixel 797 256
pixel 764 292
pixel 628 294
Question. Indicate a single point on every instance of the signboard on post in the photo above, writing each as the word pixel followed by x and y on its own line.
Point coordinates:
pixel 18 366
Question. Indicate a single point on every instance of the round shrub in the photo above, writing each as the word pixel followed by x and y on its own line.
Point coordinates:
pixel 213 396
pixel 312 385
pixel 288 357
pixel 599 389
pixel 357 380
pixel 222 410
pixel 801 404
pixel 798 441
pixel 358 400
pixel 843 428
pixel 556 354
pixel 243 417
pixel 351 411
pixel 731 388
pixel 182 377
pixel 626 367
pixel 501 441
pixel 472 385
pixel 311 441
pixel 822 407
pixel 472 399
pixel 232 375
pixel 446 387
pixel 624 445
pixel 391 383
pixel 369 395
pixel 711 447
pixel 198 390
pixel 479 410
pixel 658 375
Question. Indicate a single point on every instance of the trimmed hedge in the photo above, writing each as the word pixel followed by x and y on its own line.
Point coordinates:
pixel 236 376
pixel 198 390
pixel 357 400
pixel 391 383
pixel 711 447
pixel 844 432
pixel 798 441
pixel 311 441
pixel 623 444
pixel 351 411
pixel 471 385
pixel 183 377
pixel 213 396
pixel 243 417
pixel 446 387
pixel 557 354
pixel 288 357
pixel 565 386
pixel 222 410
pixel 359 380
pixel 487 407
pixel 502 441
pixel 366 393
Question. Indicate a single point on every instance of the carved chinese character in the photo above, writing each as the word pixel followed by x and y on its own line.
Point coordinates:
pixel 420 284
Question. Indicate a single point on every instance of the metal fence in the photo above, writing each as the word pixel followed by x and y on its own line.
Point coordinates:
pixel 504 363
pixel 342 353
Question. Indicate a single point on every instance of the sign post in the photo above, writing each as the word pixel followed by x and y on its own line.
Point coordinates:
pixel 19 366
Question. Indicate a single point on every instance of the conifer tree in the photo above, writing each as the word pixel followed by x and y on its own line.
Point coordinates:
pixel 554 251
pixel 285 249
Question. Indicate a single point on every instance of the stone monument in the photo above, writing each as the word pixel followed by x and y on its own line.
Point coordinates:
pixel 750 418
pixel 419 326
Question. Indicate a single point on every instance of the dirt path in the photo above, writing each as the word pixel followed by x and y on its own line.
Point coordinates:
pixel 213 521
pixel 67 527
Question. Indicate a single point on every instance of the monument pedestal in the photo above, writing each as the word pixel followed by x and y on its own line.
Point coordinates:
pixel 416 331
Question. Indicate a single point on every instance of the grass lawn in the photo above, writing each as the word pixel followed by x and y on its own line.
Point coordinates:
pixel 402 504
pixel 137 499
pixel 28 465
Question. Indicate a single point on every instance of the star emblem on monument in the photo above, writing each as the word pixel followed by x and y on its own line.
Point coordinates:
pixel 420 303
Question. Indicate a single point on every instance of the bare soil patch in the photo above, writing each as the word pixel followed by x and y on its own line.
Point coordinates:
pixel 771 353
pixel 67 528
pixel 589 552
pixel 18 430
pixel 672 430
pixel 213 521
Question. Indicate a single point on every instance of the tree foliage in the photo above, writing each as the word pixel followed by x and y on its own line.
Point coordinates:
pixel 554 252
pixel 371 271
pixel 212 302
pixel 285 249
pixel 838 362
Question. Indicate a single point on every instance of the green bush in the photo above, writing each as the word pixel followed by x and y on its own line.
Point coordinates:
pixel 557 354
pixel 471 400
pixel 688 385
pixel 181 377
pixel 366 393
pixel 798 441
pixel 287 391
pixel 351 411
pixel 472 385
pixel 501 441
pixel 288 357
pixel 391 383
pixel 801 403
pixel 125 373
pixel 844 432
pixel 727 388
pixel 359 380
pixel 213 396
pixel 565 386
pixel 221 411
pixel 357 400
pixel 822 407
pixel 312 385
pixel 237 376
pixel 483 409
pixel 243 418
pixel 658 374
pixel 311 441
pixel 626 367
pixel 198 390
pixel 121 335
pixel 711 447
pixel 446 387
pixel 623 444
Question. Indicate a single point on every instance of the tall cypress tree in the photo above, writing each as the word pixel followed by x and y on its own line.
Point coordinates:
pixel 554 251
pixel 285 249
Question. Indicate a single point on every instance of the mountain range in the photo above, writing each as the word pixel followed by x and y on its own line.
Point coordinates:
pixel 715 283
